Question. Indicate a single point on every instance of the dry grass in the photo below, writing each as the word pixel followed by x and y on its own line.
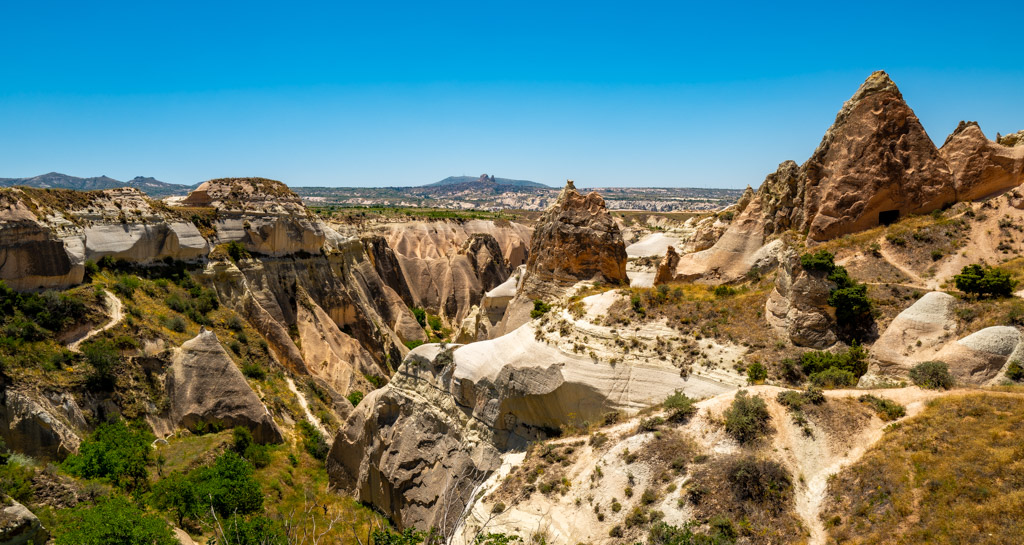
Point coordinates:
pixel 954 474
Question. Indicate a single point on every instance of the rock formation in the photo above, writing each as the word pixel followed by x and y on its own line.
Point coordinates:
pixel 204 385
pixel 40 425
pixel 577 239
pixel 19 526
pixel 418 459
pixel 915 335
pixel 874 165
pixel 980 166
pixel 797 308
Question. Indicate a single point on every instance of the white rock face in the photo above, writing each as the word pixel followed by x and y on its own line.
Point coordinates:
pixel 38 426
pixel 916 334
pixel 926 331
pixel 144 243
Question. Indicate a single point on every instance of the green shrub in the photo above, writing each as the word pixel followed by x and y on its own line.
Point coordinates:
pixel 254 371
pixel 822 260
pixel 355 397
pixel 985 281
pixel 1014 371
pixel 256 530
pixel 540 308
pixel 104 357
pixel 413 344
pixel 887 410
pixel 313 441
pixel 228 486
pixel 15 478
pixel 679 407
pixel 761 481
pixel 126 285
pixel 756 372
pixel 932 374
pixel 235 324
pixel 833 377
pixel 725 291
pixel 794 400
pixel 112 521
pixel 834 370
pixel 115 452
pixel 420 315
pixel 237 252
pixel 434 322
pixel 176 323
pixel 747 418
pixel 638 305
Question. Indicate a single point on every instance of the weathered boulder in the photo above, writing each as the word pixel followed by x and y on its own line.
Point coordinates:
pixel 981 167
pixel 19 526
pixel 797 309
pixel 915 335
pixel 667 267
pixel 204 385
pixel 980 357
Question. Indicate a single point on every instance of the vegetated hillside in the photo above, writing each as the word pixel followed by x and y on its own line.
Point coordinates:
pixel 54 180
pixel 953 474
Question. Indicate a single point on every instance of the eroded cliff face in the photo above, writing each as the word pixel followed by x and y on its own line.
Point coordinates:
pixel 980 166
pixel 874 165
pixel 446 267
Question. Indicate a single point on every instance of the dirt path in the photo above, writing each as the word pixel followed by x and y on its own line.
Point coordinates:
pixel 915 279
pixel 116 312
pixel 305 407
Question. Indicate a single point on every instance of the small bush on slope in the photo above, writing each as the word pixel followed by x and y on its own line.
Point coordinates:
pixel 747 418
pixel 933 375
pixel 957 469
pixel 112 521
pixel 984 281
pixel 115 452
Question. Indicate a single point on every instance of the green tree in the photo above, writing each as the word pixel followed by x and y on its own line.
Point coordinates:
pixel 985 281
pixel 112 521
pixel 178 494
pixel 680 407
pixel 228 486
pixel 115 452
pixel 932 374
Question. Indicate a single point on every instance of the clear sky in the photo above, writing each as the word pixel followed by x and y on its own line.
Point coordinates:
pixel 391 93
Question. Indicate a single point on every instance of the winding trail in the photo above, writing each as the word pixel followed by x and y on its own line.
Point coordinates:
pixel 115 309
pixel 305 407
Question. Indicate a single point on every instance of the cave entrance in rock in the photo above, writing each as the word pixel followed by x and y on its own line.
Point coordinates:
pixel 888 217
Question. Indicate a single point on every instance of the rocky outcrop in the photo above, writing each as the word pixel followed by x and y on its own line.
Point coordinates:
pixel 577 239
pixel 981 167
pixel 263 215
pixel 926 330
pixel 19 526
pixel 980 358
pixel 409 450
pixel 667 267
pixel 204 385
pixel 915 335
pixel 797 308
pixel 40 425
pixel 385 262
pixel 874 165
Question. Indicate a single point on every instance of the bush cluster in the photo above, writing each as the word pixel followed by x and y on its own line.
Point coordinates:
pixel 984 281
pixel 932 374
pixel 887 410
pixel 115 452
pixel 680 407
pixel 835 370
pixel 747 418
pixel 227 487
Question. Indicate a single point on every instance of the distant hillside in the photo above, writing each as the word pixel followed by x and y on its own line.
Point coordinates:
pixel 485 179
pixel 55 180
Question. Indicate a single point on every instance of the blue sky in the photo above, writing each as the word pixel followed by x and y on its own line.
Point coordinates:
pixel 391 93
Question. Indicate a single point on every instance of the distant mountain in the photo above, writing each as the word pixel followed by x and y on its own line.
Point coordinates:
pixel 55 180
pixel 485 179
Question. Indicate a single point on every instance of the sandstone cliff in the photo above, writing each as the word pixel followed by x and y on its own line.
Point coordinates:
pixel 980 166
pixel 204 385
